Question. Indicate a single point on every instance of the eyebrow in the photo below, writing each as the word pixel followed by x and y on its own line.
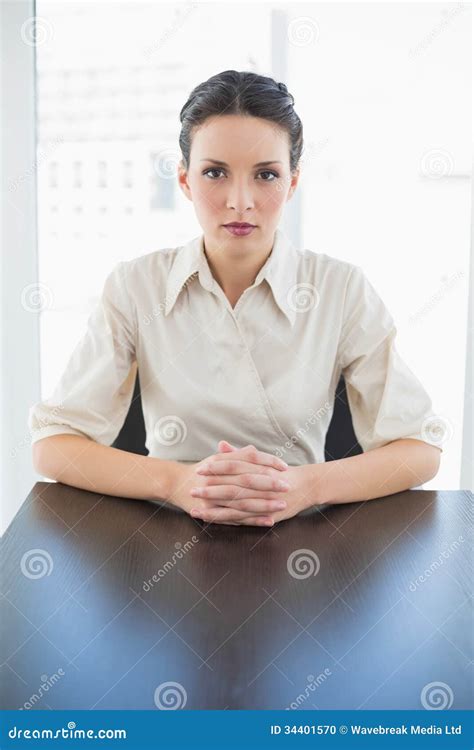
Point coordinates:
pixel 259 164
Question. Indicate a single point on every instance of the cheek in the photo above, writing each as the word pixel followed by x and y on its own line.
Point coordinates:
pixel 274 199
pixel 207 197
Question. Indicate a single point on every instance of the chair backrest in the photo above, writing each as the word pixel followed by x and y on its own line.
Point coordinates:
pixel 132 436
pixel 341 441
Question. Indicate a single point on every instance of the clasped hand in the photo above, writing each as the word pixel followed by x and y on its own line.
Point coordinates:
pixel 242 487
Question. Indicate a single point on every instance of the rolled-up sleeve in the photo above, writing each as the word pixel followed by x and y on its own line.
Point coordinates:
pixel 94 391
pixel 386 399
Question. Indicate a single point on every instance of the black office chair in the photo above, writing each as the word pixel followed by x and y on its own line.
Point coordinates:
pixel 341 441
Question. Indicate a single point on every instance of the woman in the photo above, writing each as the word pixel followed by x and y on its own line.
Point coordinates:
pixel 237 337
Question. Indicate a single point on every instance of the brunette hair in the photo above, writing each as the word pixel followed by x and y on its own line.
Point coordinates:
pixel 241 93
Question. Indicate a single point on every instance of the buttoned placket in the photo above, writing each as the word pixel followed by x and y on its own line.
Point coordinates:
pixel 218 291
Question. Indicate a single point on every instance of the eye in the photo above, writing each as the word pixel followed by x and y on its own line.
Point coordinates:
pixel 268 171
pixel 212 169
pixel 274 175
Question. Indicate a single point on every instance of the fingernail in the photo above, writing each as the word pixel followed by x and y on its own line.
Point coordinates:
pixel 280 506
pixel 284 465
pixel 268 523
pixel 283 485
pixel 195 491
pixel 202 469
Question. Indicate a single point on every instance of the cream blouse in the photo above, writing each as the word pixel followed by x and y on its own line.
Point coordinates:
pixel 264 372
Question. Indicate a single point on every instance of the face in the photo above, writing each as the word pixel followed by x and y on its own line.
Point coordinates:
pixel 227 181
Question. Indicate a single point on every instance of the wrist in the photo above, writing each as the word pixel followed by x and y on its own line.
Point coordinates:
pixel 313 481
pixel 166 474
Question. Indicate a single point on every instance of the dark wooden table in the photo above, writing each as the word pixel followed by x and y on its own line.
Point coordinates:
pixel 362 605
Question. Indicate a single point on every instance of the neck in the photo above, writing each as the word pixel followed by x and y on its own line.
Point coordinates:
pixel 235 270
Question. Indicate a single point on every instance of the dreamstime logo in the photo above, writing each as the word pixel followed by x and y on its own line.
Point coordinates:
pixel 169 33
pixel 170 430
pixel 282 184
pixel 437 163
pixel 165 163
pixel 313 684
pixel 437 696
pixel 438 29
pixel 170 696
pixel 311 151
pixel 36 31
pixel 36 297
pixel 303 297
pixel 436 430
pixel 46 684
pixel 36 563
pixel 42 155
pixel 159 309
pixel 448 283
pixel 303 563
pixel 445 554
pixel 303 31
pixel 39 424
pixel 181 551
pixel 315 416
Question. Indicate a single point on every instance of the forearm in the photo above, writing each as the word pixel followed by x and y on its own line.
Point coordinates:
pixel 83 463
pixel 392 468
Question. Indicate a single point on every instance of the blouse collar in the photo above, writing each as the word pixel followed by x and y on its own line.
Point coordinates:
pixel 279 270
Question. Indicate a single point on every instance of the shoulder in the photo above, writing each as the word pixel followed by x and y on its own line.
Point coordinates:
pixel 343 285
pixel 326 271
pixel 146 270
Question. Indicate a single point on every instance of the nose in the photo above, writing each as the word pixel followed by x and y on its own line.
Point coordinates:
pixel 239 196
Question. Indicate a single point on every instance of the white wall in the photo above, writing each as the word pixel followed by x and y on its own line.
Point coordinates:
pixel 20 375
pixel 384 91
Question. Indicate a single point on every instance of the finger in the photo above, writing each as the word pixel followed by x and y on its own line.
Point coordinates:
pixel 249 521
pixel 225 488
pixel 232 496
pixel 246 504
pixel 254 521
pixel 225 447
pixel 254 456
pixel 238 474
pixel 220 515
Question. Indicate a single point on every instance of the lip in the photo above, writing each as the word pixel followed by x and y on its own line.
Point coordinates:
pixel 239 229
pixel 239 224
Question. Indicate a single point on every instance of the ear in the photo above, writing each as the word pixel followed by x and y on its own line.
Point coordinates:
pixel 293 182
pixel 183 180
pixel 225 447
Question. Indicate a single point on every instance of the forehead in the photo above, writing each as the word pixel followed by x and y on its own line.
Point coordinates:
pixel 228 137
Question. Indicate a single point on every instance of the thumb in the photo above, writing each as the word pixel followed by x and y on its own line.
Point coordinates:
pixel 226 447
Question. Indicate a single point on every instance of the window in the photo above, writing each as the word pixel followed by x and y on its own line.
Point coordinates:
pixel 386 164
